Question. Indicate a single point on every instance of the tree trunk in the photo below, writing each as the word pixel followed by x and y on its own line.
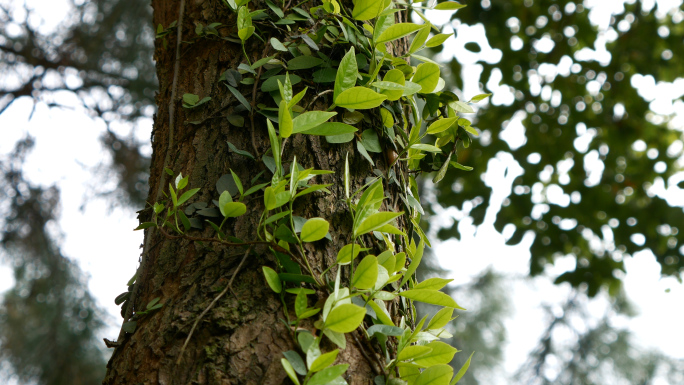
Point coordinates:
pixel 242 337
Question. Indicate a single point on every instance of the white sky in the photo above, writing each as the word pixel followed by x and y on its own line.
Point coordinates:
pixel 104 245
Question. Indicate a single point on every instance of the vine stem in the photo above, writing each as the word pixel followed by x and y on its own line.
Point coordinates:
pixel 162 181
pixel 206 310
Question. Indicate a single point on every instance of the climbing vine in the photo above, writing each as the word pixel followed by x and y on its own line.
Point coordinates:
pixel 409 118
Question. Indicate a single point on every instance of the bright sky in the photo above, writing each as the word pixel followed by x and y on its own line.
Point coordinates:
pixel 103 243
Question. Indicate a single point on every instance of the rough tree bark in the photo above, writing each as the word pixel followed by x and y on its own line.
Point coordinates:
pixel 241 339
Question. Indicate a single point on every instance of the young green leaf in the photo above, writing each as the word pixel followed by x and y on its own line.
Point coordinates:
pixel 278 45
pixel 462 371
pixel 187 195
pixel 286 123
pixel 412 352
pixel 441 354
pixel 434 283
pixel 314 229
pixel 275 146
pixel 310 119
pixel 238 182
pixel 442 170
pixel 432 297
pixel 290 371
pixel 441 318
pixel 145 225
pixel 435 375
pixel 276 217
pixel 345 318
pixel 425 147
pixel 427 76
pixel 479 97
pixel 438 39
pixel 398 31
pixel 387 118
pixel 449 6
pixel 330 129
pixel 346 73
pixel 419 40
pixel 397 77
pixel 327 376
pixel 461 167
pixel 366 273
pixel 359 98
pixel 181 182
pixel 233 209
pixel 367 9
pixel 344 256
pixel 375 221
pixel 343 138
pixel 441 125
pixel 417 257
pixel 272 279
pixel 461 107
pixel 324 361
pixel 337 338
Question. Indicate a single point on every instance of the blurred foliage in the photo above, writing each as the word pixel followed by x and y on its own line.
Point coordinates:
pixel 595 158
pixel 48 320
pixel 101 53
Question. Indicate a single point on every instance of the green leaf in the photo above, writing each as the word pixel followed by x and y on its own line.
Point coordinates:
pixel 462 372
pixel 286 123
pixel 296 278
pixel 181 182
pixel 434 283
pixel 330 129
pixel 324 361
pixel 290 371
pixel 314 188
pixel 417 257
pixel 276 217
pixel 238 182
pixel 461 107
pixel 346 175
pixel 314 229
pixel 427 76
pixel 303 62
pixel 411 88
pixel 375 221
pixel 441 318
pixel 442 170
pixel 278 45
pixel 390 86
pixel 272 279
pixel 271 84
pixel 432 297
pixel 419 39
pixel 398 31
pixel 441 354
pixel 129 326
pixel 241 152
pixel 479 97
pixel 246 33
pixel 239 97
pixel 326 376
pixel 145 225
pixel 412 352
pixel 275 146
pixel 337 338
pixel 461 167
pixel 366 273
pixel 346 73
pixel 397 77
pixel 343 138
pixel 441 125
pixel 426 147
pixel 187 195
pixel 310 120
pixel 359 98
pixel 269 198
pixel 367 9
pixel 301 303
pixel 295 359
pixel 385 330
pixel 435 375
pixel 370 141
pixel 438 39
pixel 362 150
pixel 381 312
pixel 449 6
pixel 233 209
pixel 344 256
pixel 345 318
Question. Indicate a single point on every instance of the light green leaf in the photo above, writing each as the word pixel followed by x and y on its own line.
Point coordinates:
pixel 346 175
pixel 441 354
pixel 387 118
pixel 233 209
pixel 324 361
pixel 397 31
pixel 412 352
pixel 328 375
pixel 278 45
pixel 461 167
pixel 290 371
pixel 359 98
pixel 310 119
pixel 269 198
pixel 345 318
pixel 276 217
pixel 346 73
pixel 425 147
pixel 187 195
pixel 430 296
pixel 441 125
pixel 370 141
pixel 285 120
pixel 275 146
pixel 366 273
pixel 272 279
pixel 479 97
pixel 449 6
pixel 461 107
pixel 441 318
pixel 438 39
pixel 344 256
pixel 237 181
pixel 463 371
pixel 145 225
pixel 416 258
pixel 435 375
pixel 337 338
pixel 245 33
pixel 314 229
pixel 330 129
pixel 397 77
pixel 367 9
pixel 375 221
pixel 411 88
pixel 386 330
pixel 389 86
pixel 434 283
pixel 427 76
pixel 181 182
pixel 419 39
pixel 381 312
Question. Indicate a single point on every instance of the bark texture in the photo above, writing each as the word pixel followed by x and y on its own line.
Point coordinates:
pixel 241 339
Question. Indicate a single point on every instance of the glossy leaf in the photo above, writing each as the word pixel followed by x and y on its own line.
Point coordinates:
pixel 461 107
pixel 367 9
pixel 324 361
pixel 330 129
pixel 346 73
pixel 326 376
pixel 359 98
pixel 427 76
pixel 314 229
pixel 413 352
pixel 272 279
pixel 375 221
pixel 431 297
pixel 310 119
pixel 398 31
pixel 385 330
pixel 366 273
pixel 233 209
pixel 438 39
pixel 345 318
pixel 344 256
pixel 441 318
pixel 449 6
pixel 435 375
pixel 434 283
pixel 397 77
pixel 441 353
pixel 441 125
pixel 462 371
pixel 286 123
